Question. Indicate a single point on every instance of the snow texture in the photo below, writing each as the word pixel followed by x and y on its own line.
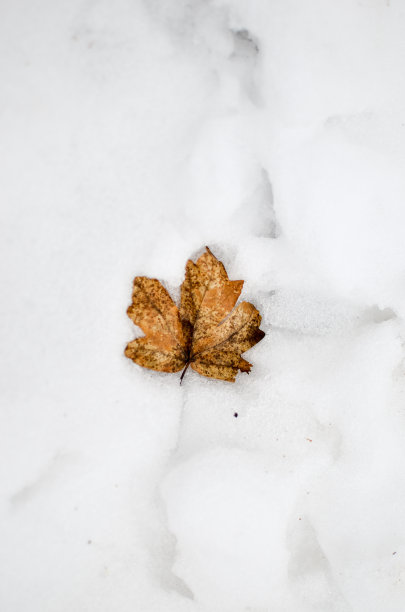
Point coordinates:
pixel 134 133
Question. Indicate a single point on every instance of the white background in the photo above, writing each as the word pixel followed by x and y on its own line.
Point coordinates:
pixel 134 133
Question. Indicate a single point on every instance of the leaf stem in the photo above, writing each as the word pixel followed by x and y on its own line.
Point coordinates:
pixel 184 371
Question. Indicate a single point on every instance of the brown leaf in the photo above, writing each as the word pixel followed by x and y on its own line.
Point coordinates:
pixel 208 333
pixel 153 310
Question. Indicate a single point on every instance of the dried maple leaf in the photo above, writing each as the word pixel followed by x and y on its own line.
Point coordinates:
pixel 207 333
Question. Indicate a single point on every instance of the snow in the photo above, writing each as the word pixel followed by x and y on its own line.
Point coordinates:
pixel 134 133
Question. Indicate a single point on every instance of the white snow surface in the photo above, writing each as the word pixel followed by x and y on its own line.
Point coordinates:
pixel 134 133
